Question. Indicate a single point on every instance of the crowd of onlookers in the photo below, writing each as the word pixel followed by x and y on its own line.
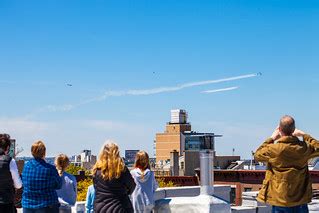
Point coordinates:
pixel 50 189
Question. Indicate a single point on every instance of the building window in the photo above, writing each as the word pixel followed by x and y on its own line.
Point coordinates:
pixel 248 189
pixel 182 165
pixel 232 195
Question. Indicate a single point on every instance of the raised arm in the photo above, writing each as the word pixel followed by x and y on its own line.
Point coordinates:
pixel 313 144
pixel 264 153
pixel 310 140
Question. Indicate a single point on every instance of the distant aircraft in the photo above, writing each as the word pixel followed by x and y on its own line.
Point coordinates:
pixel 259 73
pixel 69 85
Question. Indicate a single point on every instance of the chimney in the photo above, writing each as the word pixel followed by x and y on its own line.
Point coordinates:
pixel 174 162
pixel 206 172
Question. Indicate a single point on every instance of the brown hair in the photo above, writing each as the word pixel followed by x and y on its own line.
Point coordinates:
pixel 109 161
pixel 38 149
pixel 61 162
pixel 287 125
pixel 4 141
pixel 142 161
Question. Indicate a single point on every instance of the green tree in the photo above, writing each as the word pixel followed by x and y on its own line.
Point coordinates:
pixel 72 169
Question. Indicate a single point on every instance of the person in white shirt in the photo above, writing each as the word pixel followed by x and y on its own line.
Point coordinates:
pixel 9 176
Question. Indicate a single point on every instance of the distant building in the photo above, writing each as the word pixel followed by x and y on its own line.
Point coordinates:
pixel 85 159
pixel 130 156
pixel 152 162
pixel 85 155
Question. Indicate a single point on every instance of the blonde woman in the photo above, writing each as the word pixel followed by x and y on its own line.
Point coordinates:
pixel 143 195
pixel 112 181
pixel 68 191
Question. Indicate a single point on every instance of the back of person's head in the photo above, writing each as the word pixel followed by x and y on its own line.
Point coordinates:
pixel 142 160
pixel 4 142
pixel 38 149
pixel 109 161
pixel 287 125
pixel 61 162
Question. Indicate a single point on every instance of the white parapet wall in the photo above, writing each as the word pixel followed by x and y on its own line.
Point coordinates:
pixel 188 199
pixel 197 204
pixel 220 191
pixel 314 206
pixel 175 196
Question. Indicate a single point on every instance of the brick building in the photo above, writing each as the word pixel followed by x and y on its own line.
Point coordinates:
pixel 179 136
pixel 172 137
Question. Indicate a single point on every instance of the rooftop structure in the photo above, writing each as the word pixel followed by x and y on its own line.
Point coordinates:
pixel 178 116
pixel 179 136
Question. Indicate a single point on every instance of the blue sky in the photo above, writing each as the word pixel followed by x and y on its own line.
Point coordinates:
pixel 112 46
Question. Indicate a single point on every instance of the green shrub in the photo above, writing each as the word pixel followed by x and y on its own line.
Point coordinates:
pixel 162 183
pixel 75 169
pixel 83 186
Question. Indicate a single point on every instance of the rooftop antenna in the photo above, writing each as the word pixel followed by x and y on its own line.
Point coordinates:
pixel 233 151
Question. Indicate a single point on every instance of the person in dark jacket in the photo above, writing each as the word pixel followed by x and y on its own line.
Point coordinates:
pixel 112 181
pixel 9 176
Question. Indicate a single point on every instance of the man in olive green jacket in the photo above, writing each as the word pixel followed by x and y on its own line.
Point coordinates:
pixel 287 185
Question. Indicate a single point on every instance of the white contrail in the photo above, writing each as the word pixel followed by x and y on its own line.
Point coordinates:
pixel 62 108
pixel 171 89
pixel 152 91
pixel 220 90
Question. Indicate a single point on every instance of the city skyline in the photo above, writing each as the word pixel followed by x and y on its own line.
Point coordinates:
pixel 75 74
